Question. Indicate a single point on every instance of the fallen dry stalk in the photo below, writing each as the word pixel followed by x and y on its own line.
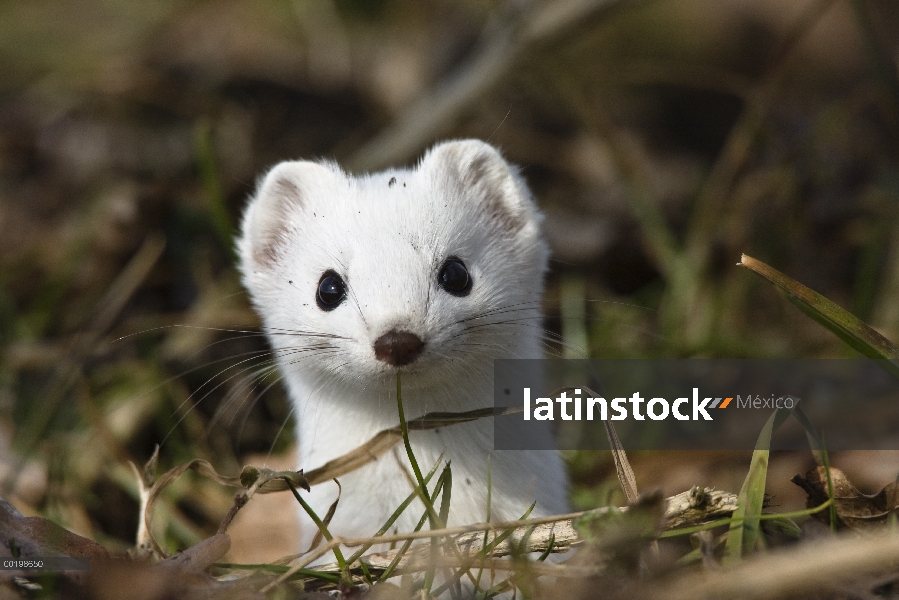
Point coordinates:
pixel 693 507
pixel 535 567
pixel 819 564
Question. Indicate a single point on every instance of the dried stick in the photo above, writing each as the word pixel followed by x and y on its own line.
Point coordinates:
pixel 696 506
pixel 509 43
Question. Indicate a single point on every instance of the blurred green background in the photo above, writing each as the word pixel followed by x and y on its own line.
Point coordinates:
pixel 662 138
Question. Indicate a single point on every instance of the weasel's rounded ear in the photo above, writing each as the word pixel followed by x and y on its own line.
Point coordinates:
pixel 484 178
pixel 276 208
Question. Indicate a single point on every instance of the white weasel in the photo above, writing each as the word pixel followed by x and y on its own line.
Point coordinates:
pixel 433 271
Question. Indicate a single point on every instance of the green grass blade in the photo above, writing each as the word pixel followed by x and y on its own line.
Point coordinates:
pixel 388 572
pixel 405 429
pixel 396 515
pixel 830 494
pixel 744 532
pixel 321 527
pixel 445 500
pixel 477 582
pixel 217 207
pixel 815 441
pixel 731 520
pixel 447 496
pixel 415 468
pixel 549 548
pixel 435 521
pixel 842 323
pixel 499 588
pixel 819 451
pixel 482 553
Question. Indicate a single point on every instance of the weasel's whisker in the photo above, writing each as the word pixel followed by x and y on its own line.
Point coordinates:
pixel 193 405
pixel 246 384
pixel 260 354
pixel 522 306
pixel 270 363
pixel 249 332
pixel 255 400
pixel 290 414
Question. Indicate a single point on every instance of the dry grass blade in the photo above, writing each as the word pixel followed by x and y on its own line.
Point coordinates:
pixel 712 198
pixel 388 438
pixel 306 560
pixel 110 306
pixel 145 542
pixel 322 528
pixel 134 273
pixel 657 236
pixel 511 41
pixel 622 465
pixel 537 568
pixel 361 456
pixel 626 476
pixel 252 478
pixel 319 536
pixel 880 60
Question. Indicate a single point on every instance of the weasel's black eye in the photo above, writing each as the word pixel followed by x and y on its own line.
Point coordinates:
pixel 331 291
pixel 454 277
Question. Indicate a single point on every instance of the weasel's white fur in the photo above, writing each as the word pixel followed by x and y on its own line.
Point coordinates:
pixel 387 235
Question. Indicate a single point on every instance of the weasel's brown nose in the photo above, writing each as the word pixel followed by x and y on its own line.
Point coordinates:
pixel 398 348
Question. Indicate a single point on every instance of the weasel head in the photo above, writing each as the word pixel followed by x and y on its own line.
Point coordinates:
pixel 434 271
